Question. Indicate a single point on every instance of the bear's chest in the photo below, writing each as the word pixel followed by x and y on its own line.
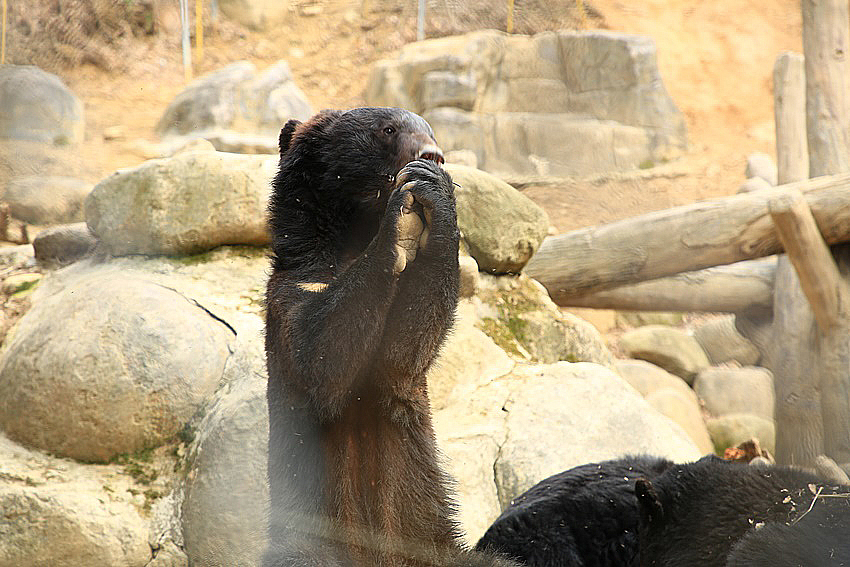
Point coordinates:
pixel 377 464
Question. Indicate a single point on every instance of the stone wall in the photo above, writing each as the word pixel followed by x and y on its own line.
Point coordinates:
pixel 556 103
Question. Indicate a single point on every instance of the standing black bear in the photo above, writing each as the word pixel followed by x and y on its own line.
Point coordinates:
pixel 695 514
pixel 362 293
pixel 583 517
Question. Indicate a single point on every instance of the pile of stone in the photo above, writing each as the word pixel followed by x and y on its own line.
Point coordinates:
pixel 553 104
pixel 132 393
pixel 705 380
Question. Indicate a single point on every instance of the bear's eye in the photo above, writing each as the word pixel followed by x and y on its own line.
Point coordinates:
pixel 389 130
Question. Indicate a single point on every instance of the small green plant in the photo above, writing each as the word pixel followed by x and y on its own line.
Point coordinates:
pixel 186 434
pixel 499 332
pixel 150 496
pixel 140 473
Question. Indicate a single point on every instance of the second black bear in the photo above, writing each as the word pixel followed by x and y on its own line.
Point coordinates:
pixel 821 538
pixel 583 517
pixel 694 514
pixel 363 290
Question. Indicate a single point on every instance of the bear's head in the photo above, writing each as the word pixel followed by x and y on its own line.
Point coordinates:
pixel 357 153
pixel 338 169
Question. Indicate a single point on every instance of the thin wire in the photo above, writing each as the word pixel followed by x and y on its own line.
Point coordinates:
pixel 3 40
pixel 187 53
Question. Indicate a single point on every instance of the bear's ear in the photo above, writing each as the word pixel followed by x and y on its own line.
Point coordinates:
pixel 286 134
pixel 649 504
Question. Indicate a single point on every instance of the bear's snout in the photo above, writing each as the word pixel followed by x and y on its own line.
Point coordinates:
pixel 432 152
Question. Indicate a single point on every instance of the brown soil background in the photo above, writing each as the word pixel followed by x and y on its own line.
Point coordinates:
pixel 716 59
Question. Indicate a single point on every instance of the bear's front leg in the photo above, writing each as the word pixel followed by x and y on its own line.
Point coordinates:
pixel 422 311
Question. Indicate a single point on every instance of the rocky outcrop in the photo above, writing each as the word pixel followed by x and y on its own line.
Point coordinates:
pixel 542 419
pixel 46 200
pixel 187 204
pixel 226 488
pixel 38 106
pixel 236 98
pixel 761 165
pixel 671 349
pixel 517 313
pixel 107 363
pixel 64 514
pixel 502 227
pixel 733 429
pixel 62 245
pixel 669 395
pixel 255 14
pixel 727 391
pixel 557 103
pixel 722 342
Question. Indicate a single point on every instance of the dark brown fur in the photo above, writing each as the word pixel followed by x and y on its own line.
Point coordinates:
pixel 352 459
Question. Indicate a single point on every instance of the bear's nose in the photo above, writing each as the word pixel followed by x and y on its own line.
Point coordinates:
pixel 432 152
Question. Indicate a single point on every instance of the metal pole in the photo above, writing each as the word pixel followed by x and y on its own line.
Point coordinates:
pixel 187 52
pixel 420 22
pixel 582 13
pixel 3 40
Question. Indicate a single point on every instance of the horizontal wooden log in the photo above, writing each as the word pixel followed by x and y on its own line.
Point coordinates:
pixel 732 289
pixel 682 239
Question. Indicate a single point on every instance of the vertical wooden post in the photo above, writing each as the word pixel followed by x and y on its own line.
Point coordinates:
pixel 420 21
pixel 788 340
pixel 826 44
pixel 820 279
pixel 509 26
pixel 789 110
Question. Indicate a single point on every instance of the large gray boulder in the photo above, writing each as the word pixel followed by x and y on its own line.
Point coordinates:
pixel 107 363
pixel 502 227
pixel 64 514
pixel 540 420
pixel 237 98
pixel 733 429
pixel 722 342
pixel 761 165
pixel 183 205
pixel 61 245
pixel 38 106
pixel 669 395
pixel 556 103
pixel 468 359
pixel 256 14
pixel 726 391
pixel 46 200
pixel 226 489
pixel 672 349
